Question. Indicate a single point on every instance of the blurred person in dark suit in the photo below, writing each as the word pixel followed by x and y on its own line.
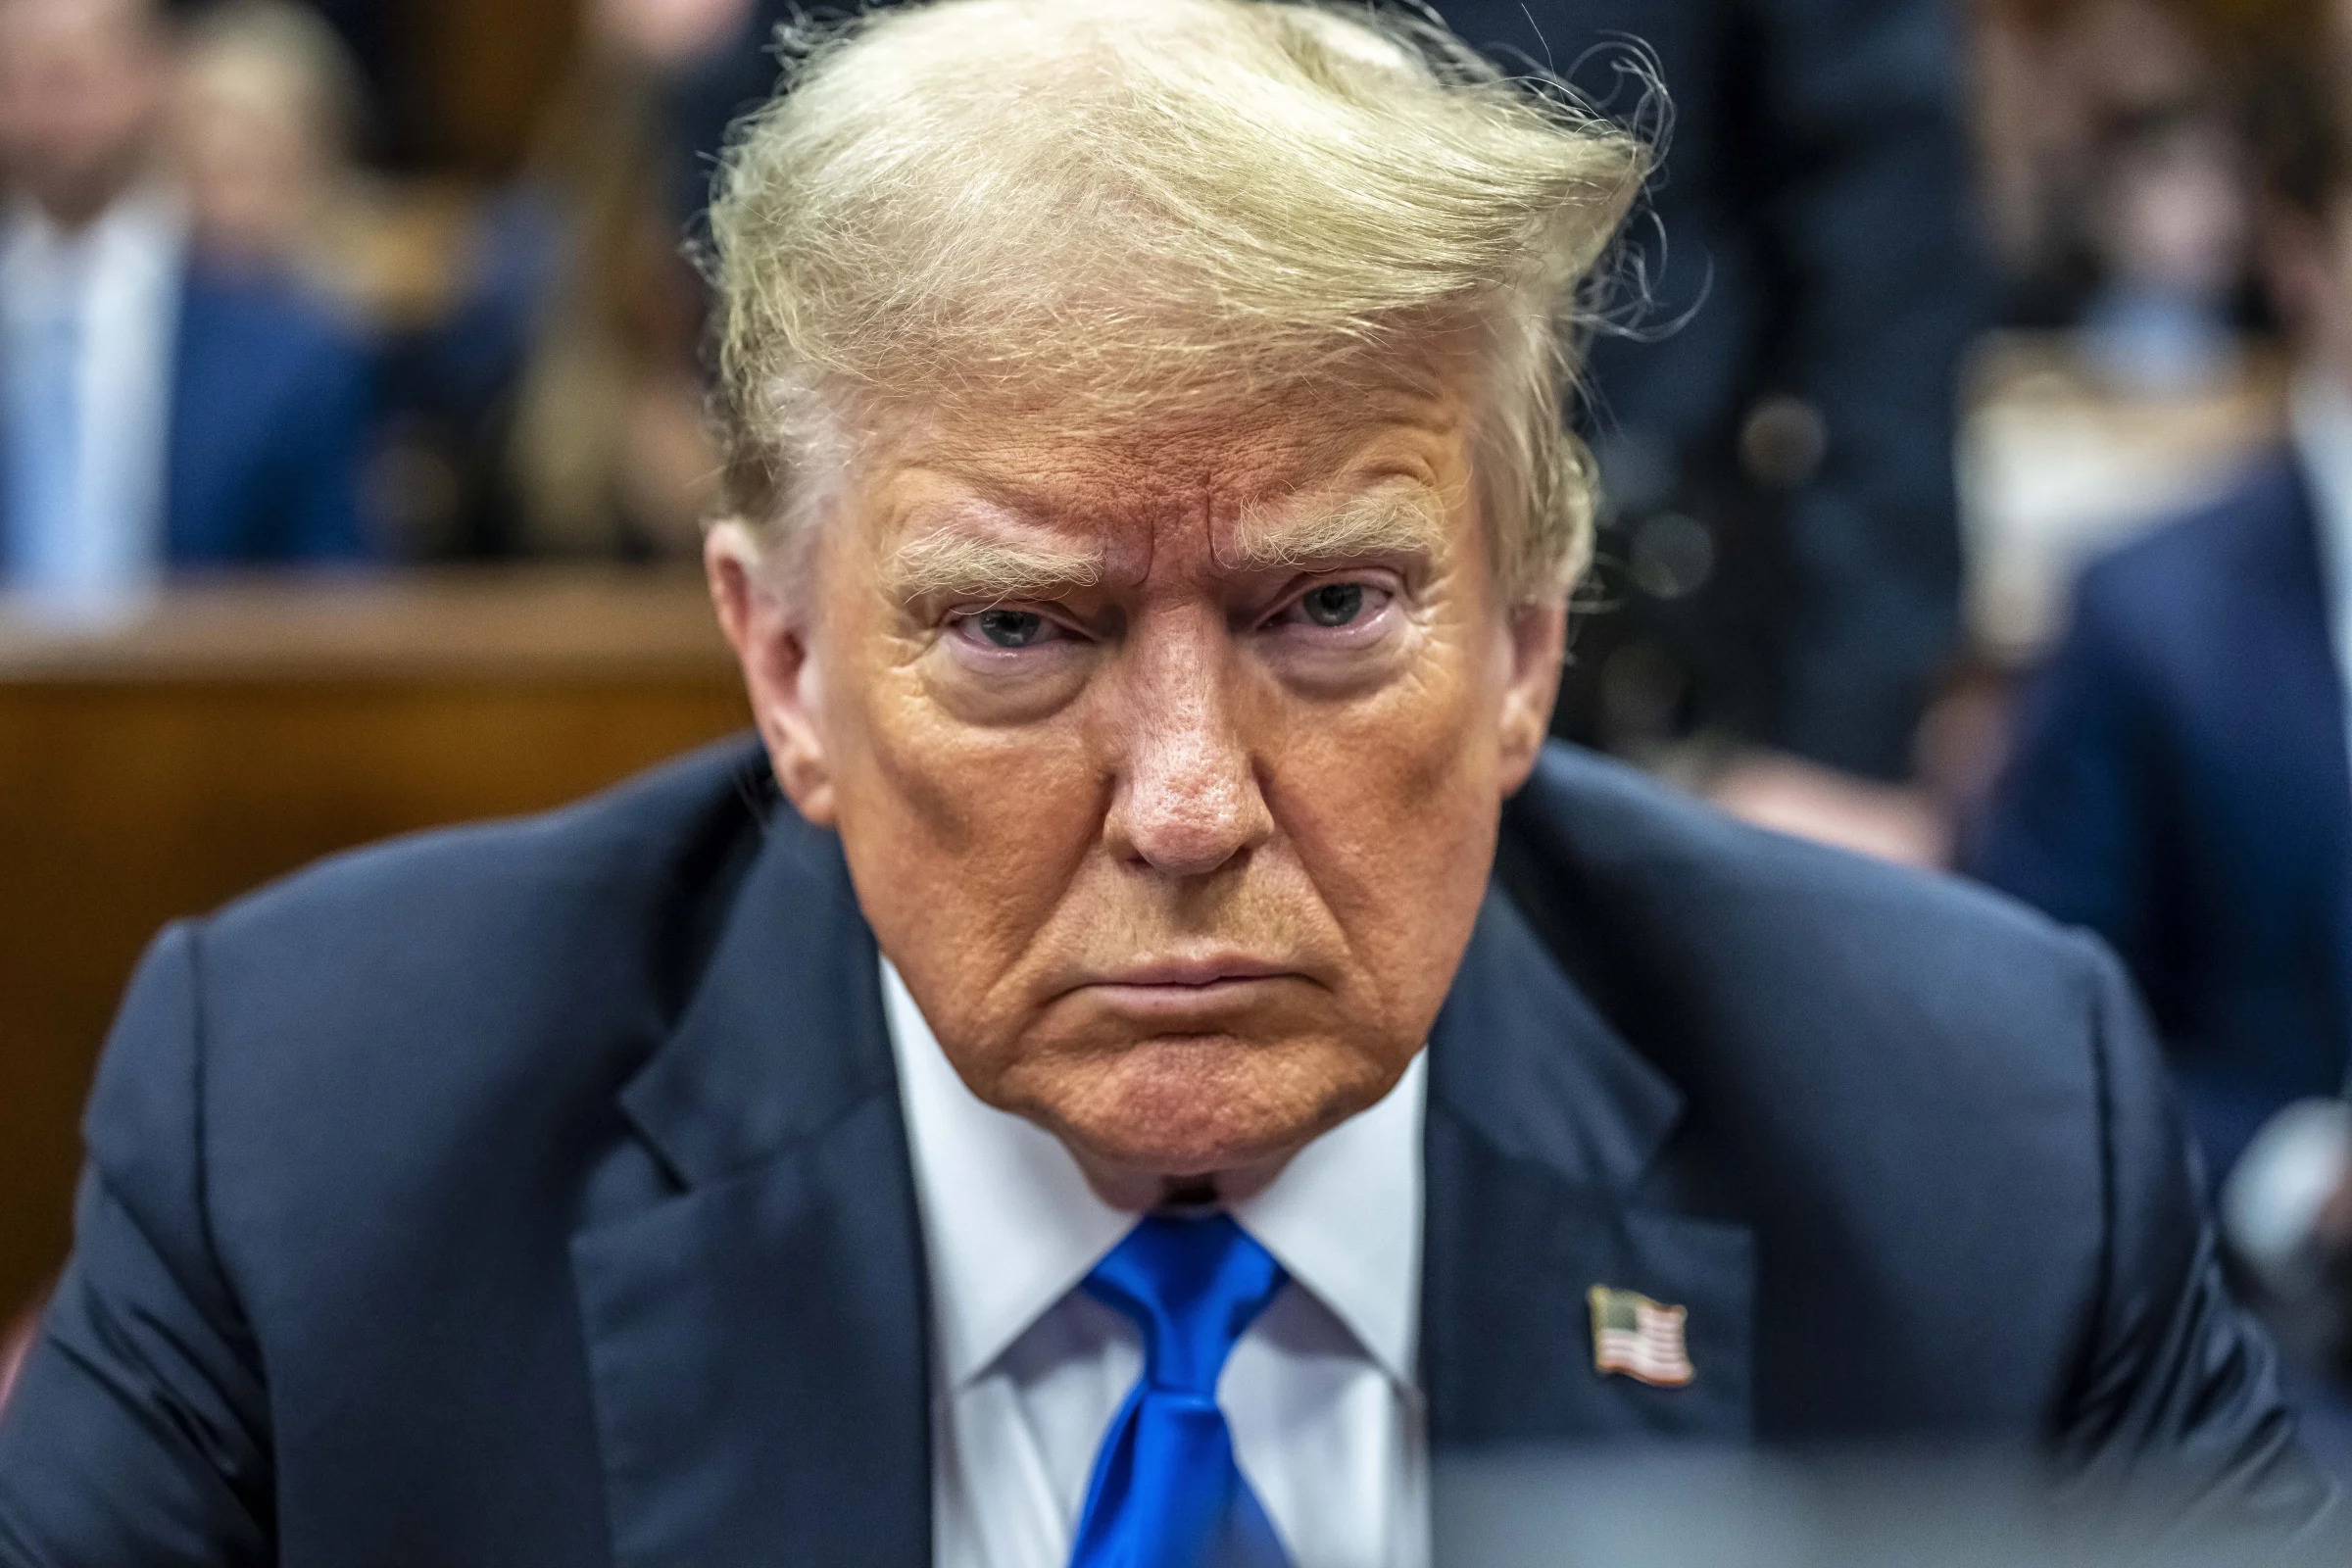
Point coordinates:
pixel 267 103
pixel 2179 781
pixel 1076 1088
pixel 158 412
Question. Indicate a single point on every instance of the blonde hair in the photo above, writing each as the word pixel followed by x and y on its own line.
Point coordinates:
pixel 285 59
pixel 1101 210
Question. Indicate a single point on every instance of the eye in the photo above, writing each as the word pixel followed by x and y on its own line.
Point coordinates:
pixel 1334 603
pixel 1010 628
pixel 1354 608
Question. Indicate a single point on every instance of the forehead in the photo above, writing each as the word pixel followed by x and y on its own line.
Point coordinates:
pixel 1214 471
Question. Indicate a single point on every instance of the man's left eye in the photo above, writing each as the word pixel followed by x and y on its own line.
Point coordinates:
pixel 1010 628
pixel 1336 606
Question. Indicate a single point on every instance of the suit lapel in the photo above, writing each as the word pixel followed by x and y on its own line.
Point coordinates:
pixel 750 1279
pixel 1543 1126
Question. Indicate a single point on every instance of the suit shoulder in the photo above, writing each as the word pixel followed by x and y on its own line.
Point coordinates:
pixel 1777 914
pixel 467 999
pixel 1827 1016
pixel 274 323
pixel 2190 556
pixel 499 929
pixel 278 306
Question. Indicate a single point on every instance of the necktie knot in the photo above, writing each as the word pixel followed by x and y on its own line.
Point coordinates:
pixel 1192 1286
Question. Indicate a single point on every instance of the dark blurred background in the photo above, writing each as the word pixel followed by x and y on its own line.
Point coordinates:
pixel 352 465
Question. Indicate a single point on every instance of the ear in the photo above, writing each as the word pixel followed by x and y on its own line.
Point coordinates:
pixel 1538 641
pixel 779 666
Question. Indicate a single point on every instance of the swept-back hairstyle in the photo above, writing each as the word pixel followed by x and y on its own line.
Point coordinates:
pixel 1103 211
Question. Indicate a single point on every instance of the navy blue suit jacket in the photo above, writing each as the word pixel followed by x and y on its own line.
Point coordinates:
pixel 272 400
pixel 539 1195
pixel 2179 785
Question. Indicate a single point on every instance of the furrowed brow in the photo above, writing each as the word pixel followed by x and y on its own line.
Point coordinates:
pixel 948 564
pixel 1396 520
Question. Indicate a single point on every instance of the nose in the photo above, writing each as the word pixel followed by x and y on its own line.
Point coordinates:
pixel 1188 799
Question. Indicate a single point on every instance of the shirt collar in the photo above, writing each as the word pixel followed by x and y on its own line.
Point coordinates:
pixel 1010 1224
pixel 145 228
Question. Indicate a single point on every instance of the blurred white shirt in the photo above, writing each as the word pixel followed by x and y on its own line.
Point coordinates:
pixel 1028 1370
pixel 113 288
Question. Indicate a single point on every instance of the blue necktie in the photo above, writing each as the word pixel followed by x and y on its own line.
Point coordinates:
pixel 1166 1493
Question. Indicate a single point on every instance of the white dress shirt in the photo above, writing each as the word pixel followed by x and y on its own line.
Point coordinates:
pixel 1028 1371
pixel 114 288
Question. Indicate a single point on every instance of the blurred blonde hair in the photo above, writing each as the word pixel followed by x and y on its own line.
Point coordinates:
pixel 285 58
pixel 1093 212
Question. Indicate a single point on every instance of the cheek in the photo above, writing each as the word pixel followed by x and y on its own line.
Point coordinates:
pixel 1393 803
pixel 962 839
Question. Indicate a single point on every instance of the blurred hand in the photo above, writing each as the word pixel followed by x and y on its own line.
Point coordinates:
pixel 1816 802
pixel 2287 1216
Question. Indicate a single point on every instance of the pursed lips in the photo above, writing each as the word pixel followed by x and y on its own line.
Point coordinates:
pixel 1178 986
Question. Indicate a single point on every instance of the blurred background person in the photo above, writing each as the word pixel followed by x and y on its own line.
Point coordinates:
pixel 163 407
pixel 2134 369
pixel 2170 223
pixel 2115 180
pixel 2180 781
pixel 267 105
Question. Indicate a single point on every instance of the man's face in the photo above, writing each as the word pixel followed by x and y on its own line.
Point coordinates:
pixel 1168 770
pixel 81 82
pixel 249 160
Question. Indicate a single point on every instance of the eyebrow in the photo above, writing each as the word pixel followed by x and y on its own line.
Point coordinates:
pixel 1391 520
pixel 946 563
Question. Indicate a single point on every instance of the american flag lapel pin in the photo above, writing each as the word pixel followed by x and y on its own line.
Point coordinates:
pixel 1639 1338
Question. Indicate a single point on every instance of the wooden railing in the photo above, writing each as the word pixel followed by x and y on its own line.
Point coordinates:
pixel 230 732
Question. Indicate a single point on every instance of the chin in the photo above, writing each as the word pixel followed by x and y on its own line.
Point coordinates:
pixel 1197 1106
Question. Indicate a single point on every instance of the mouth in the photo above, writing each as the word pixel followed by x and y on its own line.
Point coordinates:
pixel 1171 991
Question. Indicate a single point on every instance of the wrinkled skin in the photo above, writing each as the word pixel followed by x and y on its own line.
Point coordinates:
pixel 1179 863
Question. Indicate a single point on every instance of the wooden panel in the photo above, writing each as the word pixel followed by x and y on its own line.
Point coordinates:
pixel 238 734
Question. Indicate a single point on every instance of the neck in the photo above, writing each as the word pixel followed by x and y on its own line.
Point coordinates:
pixel 74 205
pixel 72 217
pixel 1124 1187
